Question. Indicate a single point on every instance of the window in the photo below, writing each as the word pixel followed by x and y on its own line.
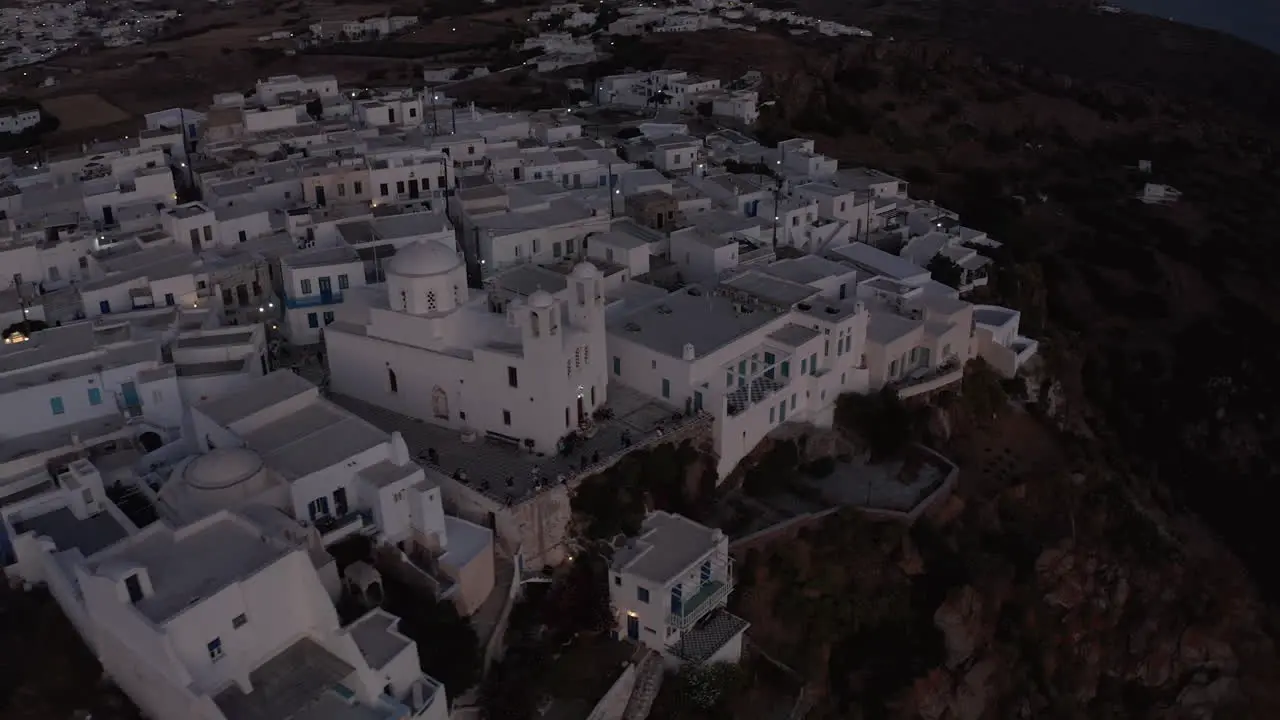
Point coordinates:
pixel 506 417
pixel 239 621
pixel 642 594
pixel 512 377
pixel 382 190
pixel 786 368
pixel 328 317
pixel 413 112
pixel 208 234
pixel 537 246
pixel 242 236
pixel 134 586
pixel 893 368
pixel 343 282
pixel 399 187
pixel 666 388
pixel 440 182
pixel 95 396
pixel 471 150
pixel 313 321
pixel 813 364
pixel 556 249
pixel 357 187
pixel 195 237
pixel 215 649
pixel 772 415
pixel 391 380
pixel 617 365
pixel 568 246
pixel 168 299
pixel 84 263
pixel 617 580
pixel 804 365
pixel 342 189
pixel 55 404
pixel 306 286
pixel 793 401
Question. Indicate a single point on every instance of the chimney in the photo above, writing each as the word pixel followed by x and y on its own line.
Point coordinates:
pixel 689 353
pixel 399 451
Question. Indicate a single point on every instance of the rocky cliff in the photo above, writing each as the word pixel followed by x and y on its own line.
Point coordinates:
pixel 1043 588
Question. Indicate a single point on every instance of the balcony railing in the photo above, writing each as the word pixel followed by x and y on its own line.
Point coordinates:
pixel 710 596
pixel 317 300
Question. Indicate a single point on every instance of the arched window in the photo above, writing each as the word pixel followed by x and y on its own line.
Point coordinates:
pixel 391 380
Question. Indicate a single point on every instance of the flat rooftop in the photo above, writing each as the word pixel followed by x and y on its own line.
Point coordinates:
pixel 775 290
pixel 264 392
pixel 704 320
pixel 668 545
pixel 89 536
pixel 189 565
pixel 318 436
pixel 376 637
pixel 290 685
pixel 215 339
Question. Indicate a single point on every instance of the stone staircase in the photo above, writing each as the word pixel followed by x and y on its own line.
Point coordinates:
pixel 648 682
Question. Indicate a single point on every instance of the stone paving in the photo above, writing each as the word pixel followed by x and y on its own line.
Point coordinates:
pixel 510 473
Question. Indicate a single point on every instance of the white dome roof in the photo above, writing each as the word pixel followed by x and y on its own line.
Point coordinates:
pixel 541 299
pixel 426 257
pixel 585 269
pixel 223 478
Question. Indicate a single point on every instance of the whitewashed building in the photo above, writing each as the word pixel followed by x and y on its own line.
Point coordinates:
pixel 529 370
pixel 669 587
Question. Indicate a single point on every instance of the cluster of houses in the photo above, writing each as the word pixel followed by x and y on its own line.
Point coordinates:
pixel 451 262
pixel 32 32
pixel 641 18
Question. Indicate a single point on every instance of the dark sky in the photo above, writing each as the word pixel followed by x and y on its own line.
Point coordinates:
pixel 1254 20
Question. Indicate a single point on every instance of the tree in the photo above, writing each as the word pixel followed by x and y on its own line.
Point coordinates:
pixel 709 688
pixel 944 270
pixel 448 648
pixel 580 602
pixel 881 420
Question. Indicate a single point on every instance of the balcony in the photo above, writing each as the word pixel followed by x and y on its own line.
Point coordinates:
pixel 317 300
pixel 333 529
pixel 710 596
pixel 928 380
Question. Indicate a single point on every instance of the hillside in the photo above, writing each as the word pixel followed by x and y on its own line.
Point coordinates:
pixel 1030 119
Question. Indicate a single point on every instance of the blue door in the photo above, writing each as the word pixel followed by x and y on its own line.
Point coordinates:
pixel 633 627
pixel 677 600
pixel 130 393
pixel 326 289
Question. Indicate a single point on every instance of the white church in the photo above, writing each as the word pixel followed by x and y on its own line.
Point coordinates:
pixel 528 369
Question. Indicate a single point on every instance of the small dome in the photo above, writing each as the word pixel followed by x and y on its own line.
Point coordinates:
pixel 222 468
pixel 423 258
pixel 223 478
pixel 541 299
pixel 585 269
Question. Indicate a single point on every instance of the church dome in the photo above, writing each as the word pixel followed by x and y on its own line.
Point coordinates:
pixel 423 258
pixel 541 299
pixel 223 478
pixel 585 270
